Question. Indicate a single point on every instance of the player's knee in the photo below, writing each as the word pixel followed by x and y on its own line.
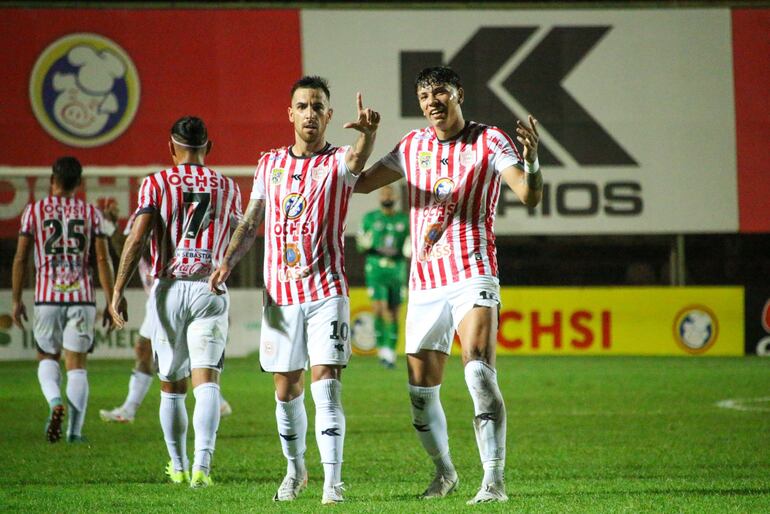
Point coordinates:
pixel 481 379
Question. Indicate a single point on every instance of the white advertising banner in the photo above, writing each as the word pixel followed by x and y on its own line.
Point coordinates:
pixel 245 322
pixel 636 106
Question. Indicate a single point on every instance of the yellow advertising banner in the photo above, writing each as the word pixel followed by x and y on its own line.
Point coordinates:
pixel 600 321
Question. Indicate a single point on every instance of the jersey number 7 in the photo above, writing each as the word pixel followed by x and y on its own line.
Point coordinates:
pixel 196 209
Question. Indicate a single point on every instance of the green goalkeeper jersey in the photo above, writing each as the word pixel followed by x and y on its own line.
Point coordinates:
pixel 383 238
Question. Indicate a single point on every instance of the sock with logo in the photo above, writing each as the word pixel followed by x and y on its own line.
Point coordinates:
pixel 205 422
pixel 173 421
pixel 329 427
pixel 77 400
pixel 138 385
pixel 429 421
pixel 291 419
pixel 49 376
pixel 490 418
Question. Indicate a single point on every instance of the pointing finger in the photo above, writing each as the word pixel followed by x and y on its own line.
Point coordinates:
pixel 360 101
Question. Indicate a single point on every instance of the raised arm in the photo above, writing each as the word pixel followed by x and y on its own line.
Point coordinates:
pixel 129 259
pixel 526 183
pixel 367 123
pixel 375 177
pixel 19 310
pixel 243 238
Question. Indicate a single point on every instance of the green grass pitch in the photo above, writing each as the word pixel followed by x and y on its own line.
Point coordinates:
pixel 585 434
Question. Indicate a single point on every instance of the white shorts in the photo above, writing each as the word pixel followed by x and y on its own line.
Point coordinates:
pixel 317 332
pixel 190 329
pixel 68 326
pixel 148 324
pixel 433 315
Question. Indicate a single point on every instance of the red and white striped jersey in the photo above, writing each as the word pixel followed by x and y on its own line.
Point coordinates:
pixel 306 206
pixel 453 190
pixel 62 229
pixel 196 208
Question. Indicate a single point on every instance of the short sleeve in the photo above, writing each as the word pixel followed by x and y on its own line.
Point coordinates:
pixel 394 160
pixel 148 196
pixel 236 213
pixel 503 153
pixel 347 175
pixel 27 221
pixel 258 191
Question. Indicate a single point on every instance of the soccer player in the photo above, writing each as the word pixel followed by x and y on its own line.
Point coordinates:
pixel 453 170
pixel 62 228
pixel 302 191
pixel 384 236
pixel 188 208
pixel 141 376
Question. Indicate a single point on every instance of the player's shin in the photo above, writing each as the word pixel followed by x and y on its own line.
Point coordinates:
pixel 490 419
pixel 429 421
pixel 205 422
pixel 49 376
pixel 329 427
pixel 77 400
pixel 291 420
pixel 138 386
pixel 173 421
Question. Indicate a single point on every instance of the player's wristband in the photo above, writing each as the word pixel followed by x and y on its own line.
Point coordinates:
pixel 108 227
pixel 532 168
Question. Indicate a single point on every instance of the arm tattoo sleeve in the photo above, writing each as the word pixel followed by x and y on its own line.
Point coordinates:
pixel 246 232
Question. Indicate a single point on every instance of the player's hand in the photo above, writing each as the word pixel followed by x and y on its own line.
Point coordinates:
pixel 368 119
pixel 111 210
pixel 19 313
pixel 528 137
pixel 118 312
pixel 217 278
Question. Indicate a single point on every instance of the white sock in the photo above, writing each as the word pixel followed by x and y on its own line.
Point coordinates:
pixel 173 421
pixel 489 422
pixel 138 385
pixel 205 423
pixel 49 376
pixel 77 399
pixel 291 419
pixel 329 427
pixel 430 423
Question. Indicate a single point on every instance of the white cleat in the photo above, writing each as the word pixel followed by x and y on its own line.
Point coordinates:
pixel 116 415
pixel 440 486
pixel 290 488
pixel 494 492
pixel 225 409
pixel 333 494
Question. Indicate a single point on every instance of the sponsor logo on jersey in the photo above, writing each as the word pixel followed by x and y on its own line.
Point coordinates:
pixel 425 160
pixel 291 254
pixel 84 90
pixel 442 189
pixel 276 176
pixel 294 205
pixel 433 233
pixel 696 329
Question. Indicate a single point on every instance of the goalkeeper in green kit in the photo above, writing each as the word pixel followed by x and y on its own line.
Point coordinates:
pixel 384 236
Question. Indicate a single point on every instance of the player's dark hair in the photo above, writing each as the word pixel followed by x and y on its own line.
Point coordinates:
pixel 190 130
pixel 312 82
pixel 67 172
pixel 436 75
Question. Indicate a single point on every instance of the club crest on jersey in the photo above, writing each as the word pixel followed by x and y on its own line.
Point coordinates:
pixel 442 189
pixel 294 205
pixel 319 172
pixel 425 160
pixel 276 176
pixel 84 90
pixel 291 255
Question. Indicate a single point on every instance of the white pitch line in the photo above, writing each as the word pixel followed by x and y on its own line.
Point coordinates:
pixel 741 404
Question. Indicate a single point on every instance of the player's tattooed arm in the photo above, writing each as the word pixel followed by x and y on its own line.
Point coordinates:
pixel 375 177
pixel 367 123
pixel 129 259
pixel 243 238
pixel 18 274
